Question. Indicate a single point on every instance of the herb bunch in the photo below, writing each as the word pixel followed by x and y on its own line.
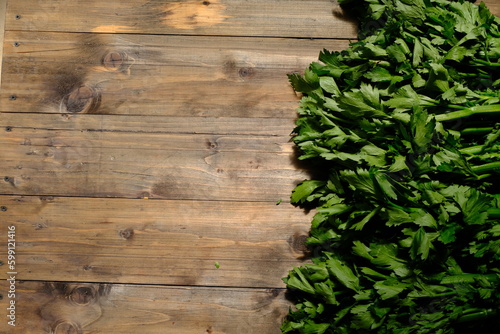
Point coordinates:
pixel 403 129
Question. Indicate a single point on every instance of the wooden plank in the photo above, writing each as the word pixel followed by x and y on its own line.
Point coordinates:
pixel 56 307
pixel 138 164
pixel 154 75
pixel 279 18
pixel 152 124
pixel 3 9
pixel 287 18
pixel 153 241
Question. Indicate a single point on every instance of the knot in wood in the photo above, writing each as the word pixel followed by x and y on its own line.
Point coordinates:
pixel 66 327
pixel 299 243
pixel 82 99
pixel 246 72
pixel 113 61
pixel 274 292
pixel 83 295
pixel 127 233
pixel 212 144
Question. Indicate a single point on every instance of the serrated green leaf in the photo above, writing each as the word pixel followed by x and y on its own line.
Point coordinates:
pixel 421 245
pixel 343 273
pixel 305 189
pixel 389 288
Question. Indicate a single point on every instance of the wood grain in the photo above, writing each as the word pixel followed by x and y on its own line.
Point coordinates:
pixel 128 309
pixel 154 241
pixel 249 126
pixel 154 75
pixel 283 18
pixel 3 11
pixel 189 130
pixel 100 163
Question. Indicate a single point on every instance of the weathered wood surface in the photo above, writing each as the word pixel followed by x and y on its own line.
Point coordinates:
pixel 251 126
pixel 110 163
pixel 279 18
pixel 153 241
pixel 76 308
pixel 3 10
pixel 154 75
pixel 282 18
pixel 179 110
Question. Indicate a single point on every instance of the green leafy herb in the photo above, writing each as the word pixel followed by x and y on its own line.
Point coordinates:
pixel 404 127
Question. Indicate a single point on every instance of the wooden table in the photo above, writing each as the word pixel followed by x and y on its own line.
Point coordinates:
pixel 144 148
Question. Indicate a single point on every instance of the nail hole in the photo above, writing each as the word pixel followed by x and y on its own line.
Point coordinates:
pixel 18 17
pixel 3 208
pixel 8 128
pixel 6 179
pixel 12 97
pixel 246 72
pixel 16 44
pixel 39 226
pixel 1 263
pixel 127 233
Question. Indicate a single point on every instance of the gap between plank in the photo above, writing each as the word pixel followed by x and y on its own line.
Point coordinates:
pixel 141 115
pixel 259 135
pixel 164 285
pixel 149 199
pixel 354 38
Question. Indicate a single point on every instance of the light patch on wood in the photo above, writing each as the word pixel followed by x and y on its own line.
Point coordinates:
pixel 194 14
pixel 112 29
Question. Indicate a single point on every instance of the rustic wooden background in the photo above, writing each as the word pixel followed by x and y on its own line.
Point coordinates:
pixel 141 143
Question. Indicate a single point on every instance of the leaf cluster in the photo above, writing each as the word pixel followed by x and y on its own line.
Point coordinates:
pixel 403 127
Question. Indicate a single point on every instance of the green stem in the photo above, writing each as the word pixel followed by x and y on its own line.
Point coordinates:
pixel 468 278
pixel 478 177
pixel 494 213
pixel 472 150
pixel 483 109
pixel 456 106
pixel 477 314
pixel 486 168
pixel 478 149
pixel 484 62
pixel 437 295
pixel 476 131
